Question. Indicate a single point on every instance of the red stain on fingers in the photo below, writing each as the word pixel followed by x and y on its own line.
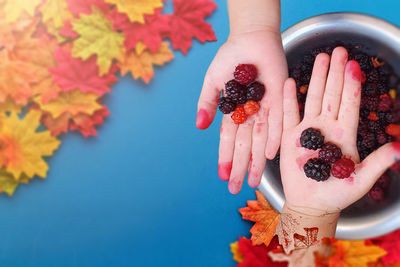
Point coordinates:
pixel 203 119
pixel 224 170
pixel 353 68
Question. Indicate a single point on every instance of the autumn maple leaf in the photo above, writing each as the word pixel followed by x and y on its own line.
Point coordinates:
pixel 249 255
pixel 140 62
pixel 74 73
pixel 97 37
pixel 23 146
pixel 187 22
pixel 54 13
pixel 78 7
pixel 13 9
pixel 136 9
pixel 264 215
pixel 150 33
pixel 390 243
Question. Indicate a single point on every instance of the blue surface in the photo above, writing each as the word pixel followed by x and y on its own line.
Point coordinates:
pixel 145 192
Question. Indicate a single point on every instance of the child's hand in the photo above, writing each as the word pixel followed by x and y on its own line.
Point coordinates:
pixel 260 135
pixel 332 106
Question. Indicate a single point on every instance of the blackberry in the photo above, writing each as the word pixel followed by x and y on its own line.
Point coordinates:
pixel 363 152
pixel 376 193
pixel 370 103
pixel 364 113
pixel 364 61
pixel 374 126
pixel 381 137
pixel 370 89
pixel 317 169
pixel 383 181
pixel 245 73
pixel 386 103
pixel 236 91
pixel 393 117
pixel 330 153
pixel 368 141
pixel 311 139
pixel 255 91
pixel 226 105
pixel 382 118
pixel 392 81
pixel 383 88
pixel 373 76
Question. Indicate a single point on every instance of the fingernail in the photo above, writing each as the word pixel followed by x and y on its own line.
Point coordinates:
pixel 253 181
pixel 224 170
pixel 234 186
pixel 203 119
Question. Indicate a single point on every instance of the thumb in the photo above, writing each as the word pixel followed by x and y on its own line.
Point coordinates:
pixel 376 164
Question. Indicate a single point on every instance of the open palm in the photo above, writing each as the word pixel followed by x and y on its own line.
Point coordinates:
pixel 259 137
pixel 332 106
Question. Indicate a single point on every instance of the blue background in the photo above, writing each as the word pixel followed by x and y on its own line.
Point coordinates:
pixel 145 192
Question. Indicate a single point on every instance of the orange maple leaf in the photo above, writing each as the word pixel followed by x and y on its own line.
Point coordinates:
pixel 140 62
pixel 266 219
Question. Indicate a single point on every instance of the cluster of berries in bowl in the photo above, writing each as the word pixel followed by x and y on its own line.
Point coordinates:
pixel 242 94
pixel 330 159
pixel 380 106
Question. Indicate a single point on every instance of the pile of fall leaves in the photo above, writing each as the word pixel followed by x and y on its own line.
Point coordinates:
pixel 60 57
pixel 263 248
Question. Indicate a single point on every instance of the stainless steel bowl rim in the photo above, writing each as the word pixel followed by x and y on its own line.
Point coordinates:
pixel 348 228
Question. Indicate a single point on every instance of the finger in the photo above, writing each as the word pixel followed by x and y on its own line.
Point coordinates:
pixel 208 103
pixel 226 147
pixel 351 97
pixel 334 84
pixel 241 156
pixel 376 164
pixel 291 116
pixel 317 86
pixel 260 135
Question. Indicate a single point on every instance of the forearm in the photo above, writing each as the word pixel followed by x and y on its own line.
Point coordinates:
pixel 254 15
pixel 301 228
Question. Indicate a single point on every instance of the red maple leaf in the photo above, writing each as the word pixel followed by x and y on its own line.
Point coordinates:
pixel 67 31
pixel 74 73
pixel 150 33
pixel 311 238
pixel 187 22
pixel 390 243
pixel 257 256
pixel 78 7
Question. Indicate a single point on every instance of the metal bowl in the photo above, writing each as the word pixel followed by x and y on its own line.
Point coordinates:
pixel 365 218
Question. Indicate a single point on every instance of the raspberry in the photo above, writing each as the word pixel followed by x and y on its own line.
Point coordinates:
pixel 226 105
pixel 251 107
pixel 317 169
pixel 393 129
pixel 385 103
pixel 372 116
pixel 239 115
pixel 255 91
pixel 236 92
pixel 245 73
pixel 343 168
pixel 330 153
pixel 311 139
pixel 370 103
pixel 376 193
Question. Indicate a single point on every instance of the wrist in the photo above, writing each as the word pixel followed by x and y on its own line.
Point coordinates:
pixel 301 227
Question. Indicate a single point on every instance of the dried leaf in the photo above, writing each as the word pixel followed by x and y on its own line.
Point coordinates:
pixel 97 38
pixel 266 219
pixel 141 65
pixel 136 9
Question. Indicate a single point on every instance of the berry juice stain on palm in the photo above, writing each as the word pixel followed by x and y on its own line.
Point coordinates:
pixel 329 108
pixel 224 170
pixel 301 161
pixel 259 127
pixel 203 119
pixel 350 180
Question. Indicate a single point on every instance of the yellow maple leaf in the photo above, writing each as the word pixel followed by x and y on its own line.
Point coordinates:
pixel 13 9
pixel 97 37
pixel 8 183
pixel 74 102
pixel 55 12
pixel 23 147
pixel 10 106
pixel 355 254
pixel 136 9
pixel 237 256
pixel 141 65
